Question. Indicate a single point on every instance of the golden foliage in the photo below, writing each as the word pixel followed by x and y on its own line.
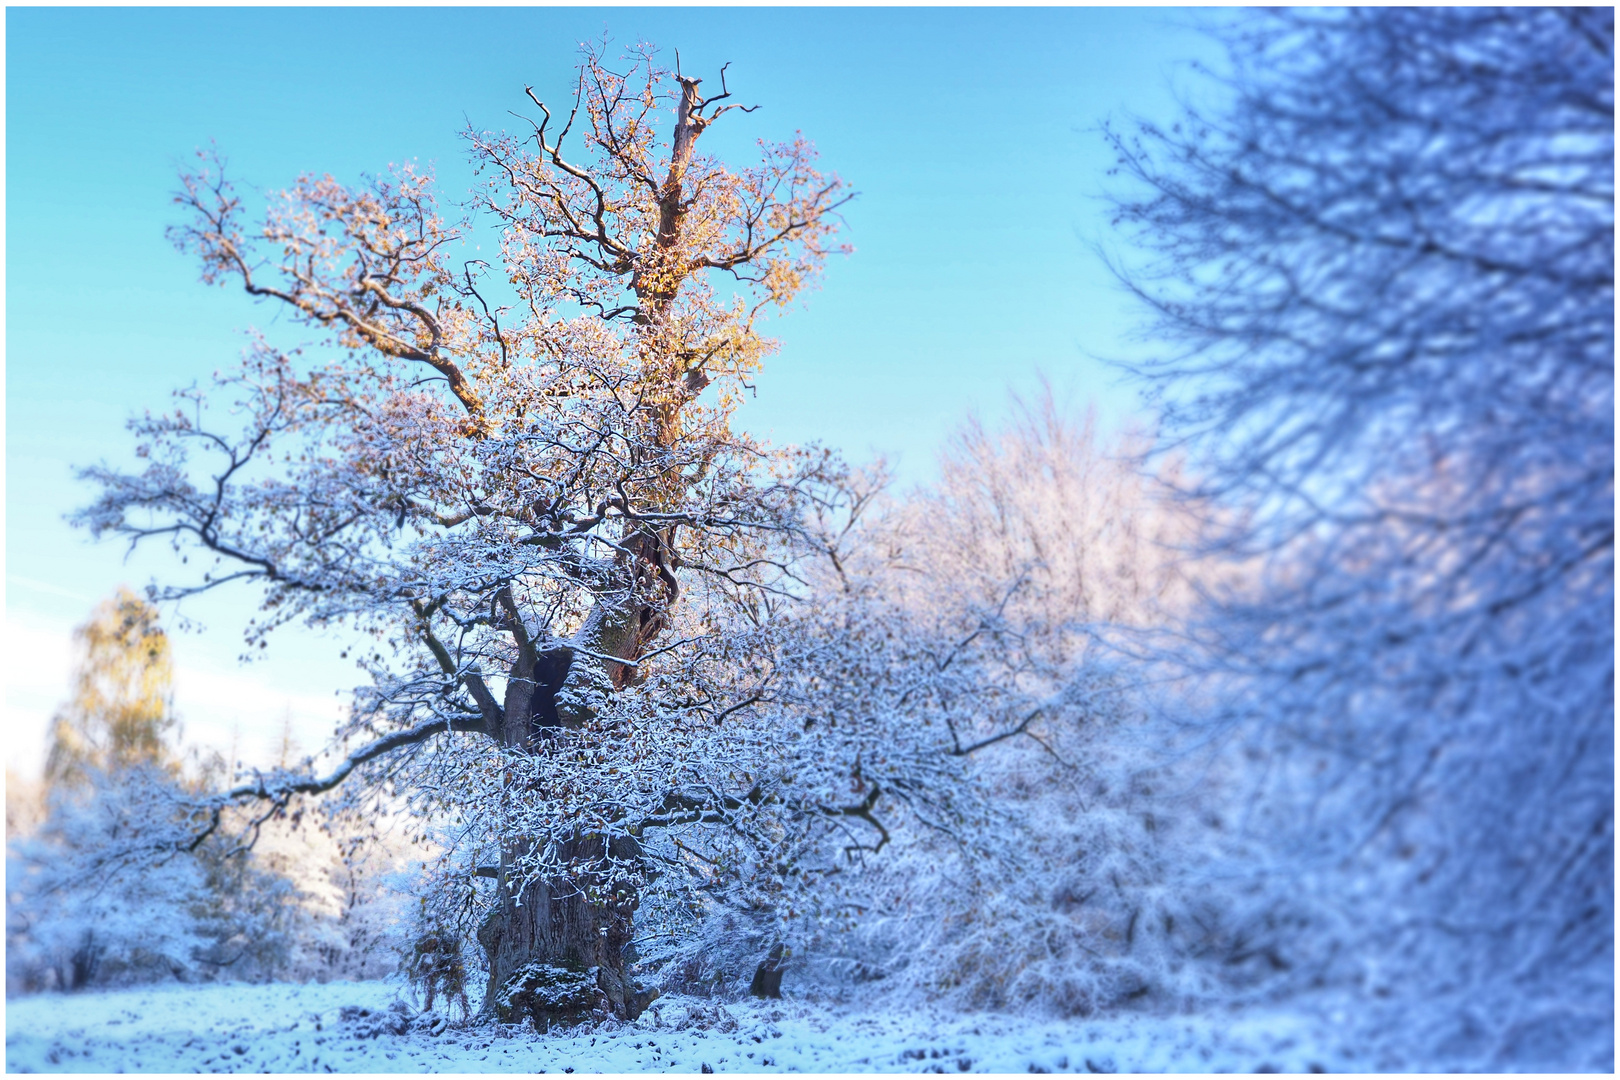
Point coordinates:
pixel 121 710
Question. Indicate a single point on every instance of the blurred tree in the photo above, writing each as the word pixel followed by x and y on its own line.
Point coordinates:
pixel 25 804
pixel 1383 274
pixel 1008 596
pixel 121 710
pixel 98 890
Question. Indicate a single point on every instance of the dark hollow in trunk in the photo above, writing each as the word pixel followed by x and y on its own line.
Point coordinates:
pixel 550 669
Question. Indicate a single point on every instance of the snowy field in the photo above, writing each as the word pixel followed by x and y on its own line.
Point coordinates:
pixel 366 1027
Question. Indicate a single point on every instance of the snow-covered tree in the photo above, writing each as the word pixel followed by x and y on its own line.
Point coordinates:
pixel 1018 581
pixel 622 659
pixel 112 882
pixel 511 497
pixel 959 684
pixel 80 908
pixel 73 912
pixel 1382 271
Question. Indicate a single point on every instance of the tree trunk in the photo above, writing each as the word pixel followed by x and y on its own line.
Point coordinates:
pixel 617 630
pixel 84 962
pixel 768 976
pixel 556 947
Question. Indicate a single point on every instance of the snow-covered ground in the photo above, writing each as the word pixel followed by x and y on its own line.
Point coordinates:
pixel 366 1027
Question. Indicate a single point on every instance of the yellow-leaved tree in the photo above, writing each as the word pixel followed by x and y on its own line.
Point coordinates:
pixel 121 710
pixel 98 892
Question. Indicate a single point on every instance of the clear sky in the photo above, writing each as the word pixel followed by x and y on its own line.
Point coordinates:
pixel 969 133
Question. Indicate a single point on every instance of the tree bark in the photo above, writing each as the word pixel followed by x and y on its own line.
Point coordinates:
pixel 540 933
pixel 556 947
pixel 618 629
pixel 768 976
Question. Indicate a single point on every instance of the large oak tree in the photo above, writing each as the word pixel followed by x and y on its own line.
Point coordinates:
pixel 510 475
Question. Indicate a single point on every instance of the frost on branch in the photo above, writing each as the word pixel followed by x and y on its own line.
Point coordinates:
pixel 959 766
pixel 1024 577
pixel 519 480
pixel 1388 269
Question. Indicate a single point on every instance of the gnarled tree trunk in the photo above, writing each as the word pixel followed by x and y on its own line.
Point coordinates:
pixel 554 944
pixel 556 947
pixel 544 939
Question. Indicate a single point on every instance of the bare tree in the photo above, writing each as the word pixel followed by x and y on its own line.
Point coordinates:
pixel 511 497
pixel 1383 271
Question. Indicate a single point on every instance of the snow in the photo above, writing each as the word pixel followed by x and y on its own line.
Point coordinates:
pixel 283 1027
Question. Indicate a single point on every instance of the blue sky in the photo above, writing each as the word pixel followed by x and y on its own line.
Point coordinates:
pixel 969 133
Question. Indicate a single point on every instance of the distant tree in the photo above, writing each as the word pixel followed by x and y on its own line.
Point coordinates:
pixel 82 908
pixel 25 804
pixel 1382 275
pixel 1015 586
pixel 112 883
pixel 121 710
pixel 109 746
